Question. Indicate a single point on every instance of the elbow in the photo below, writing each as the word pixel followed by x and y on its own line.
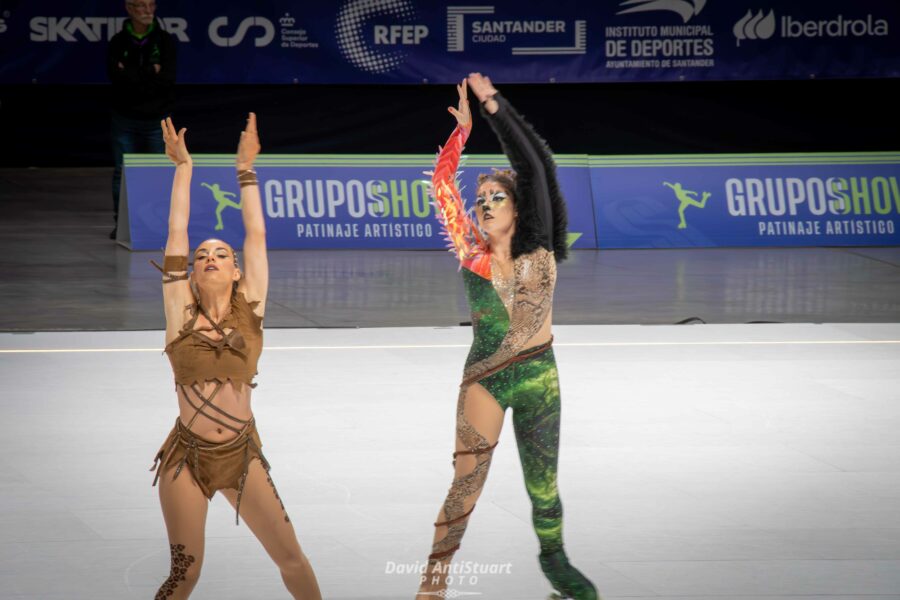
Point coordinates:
pixel 255 231
pixel 178 225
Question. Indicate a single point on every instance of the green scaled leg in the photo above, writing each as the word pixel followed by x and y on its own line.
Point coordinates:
pixel 536 417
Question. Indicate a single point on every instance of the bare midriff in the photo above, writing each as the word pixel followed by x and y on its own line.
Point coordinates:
pixel 210 424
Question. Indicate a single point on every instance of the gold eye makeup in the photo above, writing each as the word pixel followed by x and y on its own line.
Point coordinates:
pixel 492 199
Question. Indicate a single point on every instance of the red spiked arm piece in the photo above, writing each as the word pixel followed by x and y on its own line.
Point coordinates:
pixel 462 236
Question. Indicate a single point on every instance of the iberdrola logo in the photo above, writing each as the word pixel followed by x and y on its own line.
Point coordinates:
pixel 686 198
pixel 223 200
pixel 755 27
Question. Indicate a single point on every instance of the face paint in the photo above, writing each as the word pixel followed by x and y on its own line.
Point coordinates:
pixel 491 200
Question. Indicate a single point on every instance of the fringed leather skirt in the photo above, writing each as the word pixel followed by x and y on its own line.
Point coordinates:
pixel 213 465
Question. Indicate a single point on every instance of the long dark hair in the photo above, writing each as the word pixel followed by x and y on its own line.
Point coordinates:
pixel 528 235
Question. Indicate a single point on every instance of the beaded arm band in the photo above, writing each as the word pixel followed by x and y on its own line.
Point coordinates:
pixel 247 177
pixel 172 265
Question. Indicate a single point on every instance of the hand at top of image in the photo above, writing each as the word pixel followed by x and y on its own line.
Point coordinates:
pixel 481 86
pixel 176 149
pixel 248 147
pixel 462 113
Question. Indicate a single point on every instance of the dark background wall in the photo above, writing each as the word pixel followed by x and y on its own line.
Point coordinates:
pixel 46 125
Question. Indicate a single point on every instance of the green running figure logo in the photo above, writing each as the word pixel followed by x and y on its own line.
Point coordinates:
pixel 224 200
pixel 686 198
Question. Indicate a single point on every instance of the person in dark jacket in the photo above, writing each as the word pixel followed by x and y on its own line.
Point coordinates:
pixel 140 63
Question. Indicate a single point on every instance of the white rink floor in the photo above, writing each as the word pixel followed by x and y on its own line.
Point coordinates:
pixel 698 462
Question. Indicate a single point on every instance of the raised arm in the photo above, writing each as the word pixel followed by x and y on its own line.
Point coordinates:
pixel 180 204
pixel 461 234
pixel 255 280
pixel 177 293
pixel 528 154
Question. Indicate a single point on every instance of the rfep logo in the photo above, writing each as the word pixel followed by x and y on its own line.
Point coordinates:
pixel 371 45
pixel 400 34
pixel 265 35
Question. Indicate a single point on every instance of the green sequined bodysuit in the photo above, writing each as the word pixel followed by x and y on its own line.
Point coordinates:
pixel 522 378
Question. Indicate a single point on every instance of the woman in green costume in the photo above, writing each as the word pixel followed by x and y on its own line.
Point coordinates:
pixel 508 263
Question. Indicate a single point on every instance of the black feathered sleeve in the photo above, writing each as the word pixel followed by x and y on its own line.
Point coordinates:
pixel 532 160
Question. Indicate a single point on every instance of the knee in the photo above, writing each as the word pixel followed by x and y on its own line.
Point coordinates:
pixel 548 511
pixel 473 462
pixel 293 562
pixel 542 491
pixel 189 578
pixel 192 571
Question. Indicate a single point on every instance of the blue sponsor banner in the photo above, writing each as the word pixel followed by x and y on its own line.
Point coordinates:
pixel 673 201
pixel 317 201
pixel 668 201
pixel 416 41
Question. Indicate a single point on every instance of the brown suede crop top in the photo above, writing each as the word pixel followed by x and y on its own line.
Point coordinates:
pixel 196 357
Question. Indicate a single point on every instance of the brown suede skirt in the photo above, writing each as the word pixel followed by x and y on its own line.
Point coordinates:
pixel 213 465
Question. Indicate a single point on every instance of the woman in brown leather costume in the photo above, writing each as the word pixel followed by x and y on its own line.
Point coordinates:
pixel 214 320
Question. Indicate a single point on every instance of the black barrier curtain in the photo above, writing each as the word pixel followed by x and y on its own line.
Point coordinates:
pixel 46 125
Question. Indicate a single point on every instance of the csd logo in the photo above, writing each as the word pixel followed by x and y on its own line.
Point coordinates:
pixel 264 29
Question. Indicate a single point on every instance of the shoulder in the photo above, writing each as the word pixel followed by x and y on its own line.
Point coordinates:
pixel 164 36
pixel 478 264
pixel 160 35
pixel 536 270
pixel 540 258
pixel 247 310
pixel 539 254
